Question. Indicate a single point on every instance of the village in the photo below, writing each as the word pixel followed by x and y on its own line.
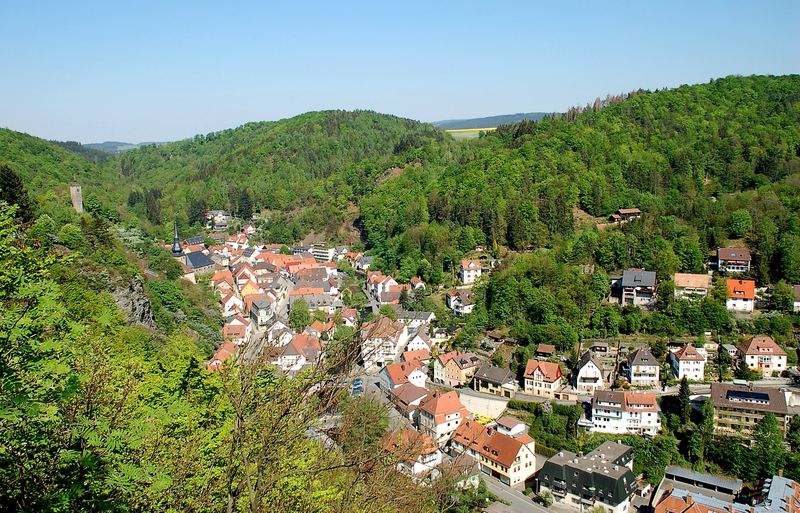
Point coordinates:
pixel 455 404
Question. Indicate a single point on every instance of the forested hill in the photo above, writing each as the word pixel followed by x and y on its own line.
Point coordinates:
pixel 312 164
pixel 681 155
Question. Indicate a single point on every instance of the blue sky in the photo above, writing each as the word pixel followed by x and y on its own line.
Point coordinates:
pixel 151 71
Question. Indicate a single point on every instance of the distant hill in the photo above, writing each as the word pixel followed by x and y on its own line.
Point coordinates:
pixel 92 154
pixel 118 147
pixel 489 122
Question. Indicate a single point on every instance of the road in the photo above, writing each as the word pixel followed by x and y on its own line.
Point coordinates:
pixel 517 499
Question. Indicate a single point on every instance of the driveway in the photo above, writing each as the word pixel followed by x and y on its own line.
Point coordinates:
pixel 519 502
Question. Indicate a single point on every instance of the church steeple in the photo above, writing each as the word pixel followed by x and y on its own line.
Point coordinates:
pixel 177 250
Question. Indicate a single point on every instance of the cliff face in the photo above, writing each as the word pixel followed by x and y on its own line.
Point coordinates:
pixel 132 300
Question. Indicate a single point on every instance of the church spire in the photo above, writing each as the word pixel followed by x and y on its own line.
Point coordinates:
pixel 177 250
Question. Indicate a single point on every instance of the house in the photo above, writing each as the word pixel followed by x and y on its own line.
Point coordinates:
pixel 406 399
pixel 222 281
pixel 469 271
pixel 455 369
pixel 199 263
pixel 691 286
pixel 460 302
pixel 230 303
pixel 302 350
pixel 588 375
pixel 218 219
pixel 416 283
pixel 378 283
pixel 322 330
pixel 625 412
pixel 763 354
pixel 542 378
pixel 236 333
pixel 364 263
pixel 322 253
pixel 545 351
pixel 512 460
pixel 643 369
pixel 637 287
pixel 224 353
pixel 733 260
pixel 604 477
pixel 624 215
pixel 423 356
pixel 741 295
pixel 494 380
pixel 261 312
pixel 688 363
pixel 440 413
pixel 416 452
pixel 776 494
pixel 796 303
pixel 415 319
pixel 738 408
pixel 382 341
pixel 510 426
pixel 418 340
pixel 600 347
pixel 396 374
pixel 732 350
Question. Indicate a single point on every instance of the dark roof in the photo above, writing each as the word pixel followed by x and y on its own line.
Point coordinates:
pixel 724 395
pixel 638 278
pixel 685 475
pixel 248 252
pixel 195 240
pixel 642 356
pixel 586 358
pixel 197 260
pixel 496 375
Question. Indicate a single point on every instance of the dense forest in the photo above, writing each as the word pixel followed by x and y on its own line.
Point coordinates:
pixel 106 408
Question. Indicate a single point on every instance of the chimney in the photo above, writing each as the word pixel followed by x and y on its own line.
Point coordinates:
pixel 689 500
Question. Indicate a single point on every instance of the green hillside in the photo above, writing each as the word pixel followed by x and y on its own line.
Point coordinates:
pixel 690 157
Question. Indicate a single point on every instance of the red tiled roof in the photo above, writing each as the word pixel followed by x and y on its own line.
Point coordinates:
pixel 688 353
pixel 550 371
pixel 399 372
pixel 489 443
pixel 741 289
pixel 761 344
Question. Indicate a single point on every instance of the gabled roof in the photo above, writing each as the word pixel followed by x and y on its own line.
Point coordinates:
pixel 471 265
pixel 383 327
pixel 496 375
pixel 409 444
pixel 733 254
pixel 419 355
pixel 488 442
pixel 587 357
pixel 626 400
pixel 761 345
pixel 550 371
pixel 407 393
pixel 399 372
pixel 642 356
pixel 688 353
pixel 233 331
pixel 462 360
pixel 546 349
pixel 741 289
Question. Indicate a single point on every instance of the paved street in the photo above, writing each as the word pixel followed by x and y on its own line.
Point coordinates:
pixel 517 499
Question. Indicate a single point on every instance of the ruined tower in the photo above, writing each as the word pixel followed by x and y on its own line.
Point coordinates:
pixel 77 197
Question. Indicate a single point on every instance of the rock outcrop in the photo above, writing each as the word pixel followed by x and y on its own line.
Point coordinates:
pixel 133 301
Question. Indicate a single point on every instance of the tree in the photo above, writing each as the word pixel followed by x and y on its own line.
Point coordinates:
pixel 13 192
pixel 196 213
pixel 782 297
pixel 245 205
pixel 741 222
pixel 684 402
pixel 299 316
pixel 767 453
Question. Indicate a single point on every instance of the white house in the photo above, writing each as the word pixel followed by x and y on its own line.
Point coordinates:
pixel 763 354
pixel 440 413
pixel 460 302
pixel 542 378
pixel 418 340
pixel 796 304
pixel 688 363
pixel 382 341
pixel 417 453
pixel 469 271
pixel 589 374
pixel 643 368
pixel 625 412
pixel 741 295
pixel 690 286
pixel 396 374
